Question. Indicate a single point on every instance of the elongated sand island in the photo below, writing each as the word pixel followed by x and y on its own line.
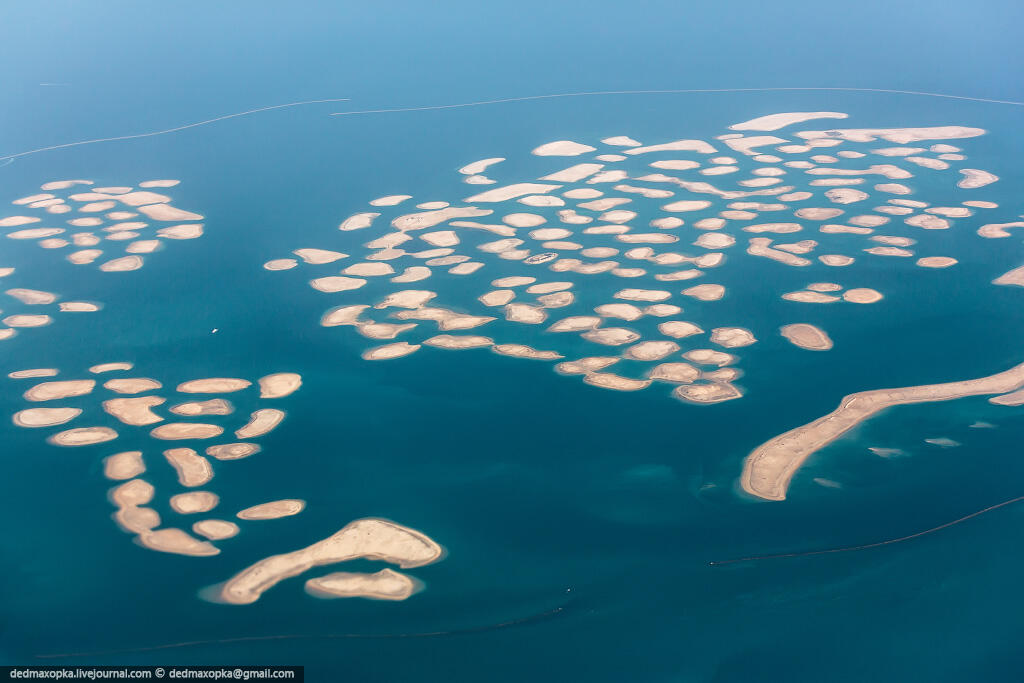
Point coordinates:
pixel 769 468
pixel 372 539
pixel 386 584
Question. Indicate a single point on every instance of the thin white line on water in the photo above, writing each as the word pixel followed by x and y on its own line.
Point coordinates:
pixel 169 130
pixel 670 92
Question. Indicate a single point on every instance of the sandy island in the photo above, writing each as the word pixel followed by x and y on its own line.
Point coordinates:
pixel 176 541
pixel 385 584
pixel 186 430
pixel 48 391
pixel 124 465
pixel 213 385
pixel 373 539
pixel 260 422
pixel 807 336
pixel 83 436
pixel 192 468
pixel 214 406
pixel 131 385
pixel 769 468
pixel 279 385
pixel 134 411
pixel 273 510
pixel 232 451
pixel 194 502
pixel 215 529
pixel 45 417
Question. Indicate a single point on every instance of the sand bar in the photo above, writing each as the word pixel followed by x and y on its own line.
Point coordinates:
pixel 123 465
pixel 192 468
pixel 381 585
pixel 186 430
pixel 35 372
pixel 110 367
pixel 27 320
pixel 45 417
pixel 83 436
pixel 374 539
pixel 213 385
pixel 389 351
pixel 31 296
pixel 1014 398
pixel 273 510
pixel 176 541
pixel 769 468
pixel 607 380
pixel 260 422
pixel 1013 277
pixel 48 391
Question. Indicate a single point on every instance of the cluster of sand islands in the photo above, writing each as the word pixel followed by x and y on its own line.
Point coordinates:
pixel 112 225
pixel 35 308
pixel 642 230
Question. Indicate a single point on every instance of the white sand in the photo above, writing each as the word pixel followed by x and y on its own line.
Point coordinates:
pixel 523 351
pixel 12 221
pixel 1013 277
pixel 413 274
pixel 279 385
pixel 998 230
pixel 573 173
pixel 192 468
pixel 707 393
pixel 584 366
pixel 165 212
pixel 622 311
pixel 260 422
pixel 368 270
pixel 633 294
pixel 374 539
pixel 607 380
pixel 776 121
pixel 862 295
pixel 525 313
pixel 679 373
pixel 676 146
pixel 705 292
pixel 709 357
pixel 650 350
pixel 342 315
pixel 575 323
pixel 27 320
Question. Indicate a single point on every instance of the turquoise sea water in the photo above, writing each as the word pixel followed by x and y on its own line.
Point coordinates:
pixel 546 493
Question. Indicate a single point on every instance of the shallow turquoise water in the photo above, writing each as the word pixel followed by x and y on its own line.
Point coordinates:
pixel 545 492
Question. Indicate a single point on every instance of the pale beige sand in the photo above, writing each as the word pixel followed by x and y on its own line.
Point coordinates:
pixel 950 211
pixel 432 205
pixel 585 365
pixel 35 372
pixel 407 298
pixel 649 193
pixel 836 259
pixel 343 315
pixel 159 183
pixel 280 384
pixel 123 465
pixel 617 216
pixel 894 240
pixel 824 287
pixel 48 391
pixel 12 221
pixel 194 502
pixel 761 246
pixel 260 422
pixel 576 323
pixel 83 436
pixel 778 228
pixel 232 451
pixel 85 239
pixel 687 205
pixel 413 274
pixel 374 539
pixel 215 529
pixel 679 329
pixel 714 240
pixel 889 251
pixel 927 162
pixel 525 313
pixel 679 275
pixel 675 146
pixel 732 337
pixel 192 468
pixel 662 310
pixel 213 385
pixel 389 351
pixel 523 351
pixel 541 200
pixel 458 342
pixel 582 193
pixel 110 367
pixel 466 268
pixel 710 357
pixel 506 192
pixel 845 195
pixel 131 385
pixel 898 135
pixel 358 221
pixel 862 295
pixel 132 493
pixel 937 262
pixel 165 212
pixel 34 233
pixel 31 296
pixel 32 198
pixel 716 392
pixel 607 380
pixel 134 411
pixel 667 223
pixel 84 256
pixel 45 417
pixel 893 188
pixel 1015 398
pixel 381 585
pixel 27 320
pixel 479 180
pixel 440 238
pixel 390 200
pixel 1013 277
pixel 817 214
pixel 78 307
pixel 122 264
pixel 573 173
pixel 650 350
pixel 622 311
pixel 810 297
pixel 562 148
pixel 647 238
pixel 769 468
pixel 621 141
pixel 319 256
pixel 974 178
pixel 498 297
pixel 611 336
pixel 705 292
pixel 336 283
pixel 807 336
pixel 997 230
pixel 927 222
pixel 63 184
pixel 678 373
pixel 981 205
pixel 556 299
pixel 775 121
pixel 176 541
pixel 123 215
pixel 136 520
pixel 480 166
pixel 633 294
pixel 513 281
pixel 55 243
pixel 4 272
pixel 185 231
pixel 280 264
pixel 186 430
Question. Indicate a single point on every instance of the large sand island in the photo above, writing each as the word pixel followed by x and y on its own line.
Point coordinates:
pixel 769 468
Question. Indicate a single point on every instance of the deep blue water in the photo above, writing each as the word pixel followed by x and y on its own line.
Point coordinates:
pixel 545 492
